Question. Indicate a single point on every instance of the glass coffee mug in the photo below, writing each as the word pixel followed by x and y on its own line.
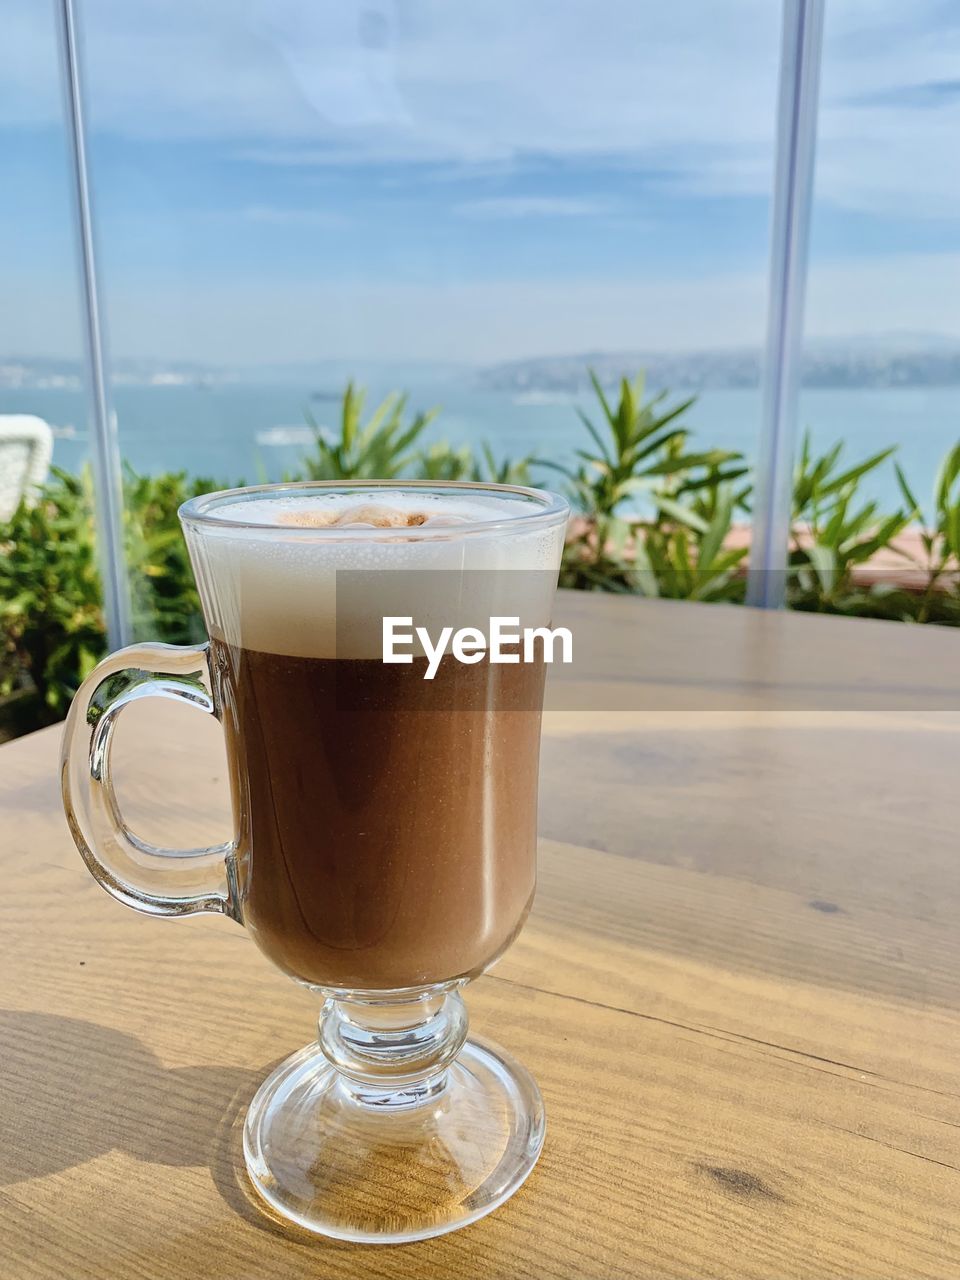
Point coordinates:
pixel 384 847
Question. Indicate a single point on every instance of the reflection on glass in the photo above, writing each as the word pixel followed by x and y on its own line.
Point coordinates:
pixel 469 204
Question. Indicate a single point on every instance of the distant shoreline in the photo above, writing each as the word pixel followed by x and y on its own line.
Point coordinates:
pixel 727 370
pixel 892 363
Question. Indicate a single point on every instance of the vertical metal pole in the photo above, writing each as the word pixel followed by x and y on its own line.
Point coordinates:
pixel 800 54
pixel 107 471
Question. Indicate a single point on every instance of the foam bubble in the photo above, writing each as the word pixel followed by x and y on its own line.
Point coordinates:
pixel 278 594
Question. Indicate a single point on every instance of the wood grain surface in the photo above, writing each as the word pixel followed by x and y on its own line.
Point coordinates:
pixel 739 989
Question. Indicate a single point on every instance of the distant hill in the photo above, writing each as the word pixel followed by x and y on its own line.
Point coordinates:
pixel 887 360
pixel 893 362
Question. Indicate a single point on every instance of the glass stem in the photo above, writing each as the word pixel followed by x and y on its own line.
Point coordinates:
pixel 393 1049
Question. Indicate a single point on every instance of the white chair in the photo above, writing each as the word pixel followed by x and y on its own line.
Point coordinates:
pixel 26 447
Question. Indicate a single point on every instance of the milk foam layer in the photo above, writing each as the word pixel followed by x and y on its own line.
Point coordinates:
pixel 273 585
pixel 401 508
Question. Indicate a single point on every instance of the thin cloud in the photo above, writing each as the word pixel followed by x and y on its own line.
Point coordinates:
pixel 236 320
pixel 506 207
pixel 934 93
pixel 687 92
pixel 280 216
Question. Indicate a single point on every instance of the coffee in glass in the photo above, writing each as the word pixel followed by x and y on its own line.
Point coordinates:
pixel 384 849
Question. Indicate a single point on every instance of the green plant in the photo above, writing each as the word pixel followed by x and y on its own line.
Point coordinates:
pixel 640 454
pixel 507 471
pixel 52 629
pixel 940 539
pixel 443 461
pixel 690 560
pixel 674 542
pixel 378 449
pixel 834 531
pixel 165 602
pixel 630 453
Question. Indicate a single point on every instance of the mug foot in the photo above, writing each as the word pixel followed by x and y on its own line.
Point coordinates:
pixel 378 1168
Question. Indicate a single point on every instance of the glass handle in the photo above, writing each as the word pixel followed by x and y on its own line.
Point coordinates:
pixel 165 882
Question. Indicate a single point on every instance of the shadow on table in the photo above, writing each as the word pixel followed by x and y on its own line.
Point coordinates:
pixel 227 1167
pixel 73 1090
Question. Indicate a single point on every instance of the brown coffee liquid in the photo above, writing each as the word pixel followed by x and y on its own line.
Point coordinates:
pixel 386 825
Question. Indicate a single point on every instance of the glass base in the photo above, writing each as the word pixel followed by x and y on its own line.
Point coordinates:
pixel 358 1163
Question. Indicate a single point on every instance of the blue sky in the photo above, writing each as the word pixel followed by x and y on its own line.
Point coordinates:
pixel 413 179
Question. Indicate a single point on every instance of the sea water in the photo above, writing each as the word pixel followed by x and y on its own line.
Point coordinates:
pixel 237 431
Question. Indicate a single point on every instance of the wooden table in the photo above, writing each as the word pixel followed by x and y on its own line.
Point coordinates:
pixel 739 990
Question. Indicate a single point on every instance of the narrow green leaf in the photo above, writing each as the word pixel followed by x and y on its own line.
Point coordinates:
pixel 608 412
pixel 658 442
pixel 682 514
pixel 824 562
pixel 718 529
pixel 856 473
pixel 595 434
pixel 905 489
pixel 643 570
pixel 948 471
pixel 392 404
